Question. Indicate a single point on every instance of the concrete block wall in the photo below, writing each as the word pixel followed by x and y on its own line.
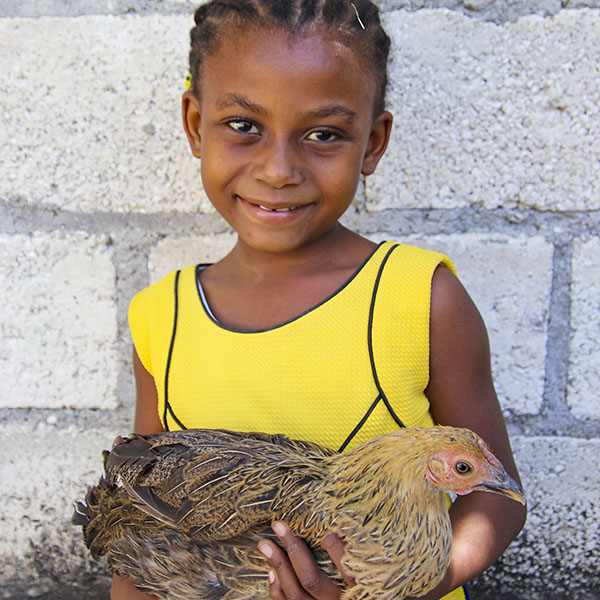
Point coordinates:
pixel 495 160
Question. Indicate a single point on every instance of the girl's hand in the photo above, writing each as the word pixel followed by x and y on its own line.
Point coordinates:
pixel 123 589
pixel 295 574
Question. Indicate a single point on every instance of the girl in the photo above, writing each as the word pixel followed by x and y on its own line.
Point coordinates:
pixel 306 328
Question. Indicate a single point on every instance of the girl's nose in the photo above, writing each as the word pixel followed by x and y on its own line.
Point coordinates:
pixel 276 164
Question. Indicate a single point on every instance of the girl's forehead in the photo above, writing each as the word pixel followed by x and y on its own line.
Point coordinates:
pixel 268 40
pixel 263 58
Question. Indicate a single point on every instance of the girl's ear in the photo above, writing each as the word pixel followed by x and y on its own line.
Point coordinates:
pixel 190 108
pixel 378 141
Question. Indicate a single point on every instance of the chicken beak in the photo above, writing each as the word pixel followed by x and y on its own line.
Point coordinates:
pixel 505 485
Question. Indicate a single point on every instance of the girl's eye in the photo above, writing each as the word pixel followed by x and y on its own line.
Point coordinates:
pixel 463 467
pixel 243 126
pixel 322 136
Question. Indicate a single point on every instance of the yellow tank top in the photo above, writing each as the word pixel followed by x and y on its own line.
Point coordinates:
pixel 350 368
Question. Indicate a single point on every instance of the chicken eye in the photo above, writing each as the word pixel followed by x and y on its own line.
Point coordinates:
pixel 463 467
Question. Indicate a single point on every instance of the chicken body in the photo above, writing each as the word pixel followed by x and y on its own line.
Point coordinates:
pixel 181 512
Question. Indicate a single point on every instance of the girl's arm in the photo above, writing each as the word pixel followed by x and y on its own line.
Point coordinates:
pixel 146 421
pixel 461 393
pixel 146 404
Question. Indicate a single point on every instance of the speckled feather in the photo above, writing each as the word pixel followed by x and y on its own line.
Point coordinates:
pixel 182 512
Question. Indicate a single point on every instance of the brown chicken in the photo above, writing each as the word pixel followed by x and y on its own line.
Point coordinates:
pixel 181 512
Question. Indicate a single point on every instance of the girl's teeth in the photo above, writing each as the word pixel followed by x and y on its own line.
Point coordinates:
pixel 276 209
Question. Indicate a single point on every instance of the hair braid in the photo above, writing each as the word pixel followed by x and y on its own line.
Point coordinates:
pixel 334 11
pixel 308 12
pixel 356 21
pixel 281 12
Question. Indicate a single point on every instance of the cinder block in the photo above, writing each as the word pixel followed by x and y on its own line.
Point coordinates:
pixel 583 4
pixel 44 469
pixel 558 552
pixel 492 115
pixel 58 321
pixel 497 11
pixel 509 280
pixel 176 253
pixel 91 114
pixel 77 8
pixel 584 364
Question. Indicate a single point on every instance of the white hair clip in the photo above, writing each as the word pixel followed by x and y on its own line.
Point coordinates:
pixel 357 15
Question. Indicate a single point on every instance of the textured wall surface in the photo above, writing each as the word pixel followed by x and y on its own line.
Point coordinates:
pixel 495 160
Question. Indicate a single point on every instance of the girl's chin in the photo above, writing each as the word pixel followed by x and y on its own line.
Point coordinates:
pixel 278 243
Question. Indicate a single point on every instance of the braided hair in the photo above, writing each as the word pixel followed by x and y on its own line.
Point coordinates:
pixel 355 21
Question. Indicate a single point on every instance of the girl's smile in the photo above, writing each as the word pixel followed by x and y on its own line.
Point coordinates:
pixel 284 127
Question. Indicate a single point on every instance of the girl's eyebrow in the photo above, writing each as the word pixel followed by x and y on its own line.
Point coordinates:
pixel 331 110
pixel 237 100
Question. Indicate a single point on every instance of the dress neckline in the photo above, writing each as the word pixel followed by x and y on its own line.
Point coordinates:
pixel 209 313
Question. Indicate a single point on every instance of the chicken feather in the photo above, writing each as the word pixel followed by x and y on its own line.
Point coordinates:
pixel 181 512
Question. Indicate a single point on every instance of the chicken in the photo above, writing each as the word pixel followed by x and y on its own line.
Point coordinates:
pixel 181 512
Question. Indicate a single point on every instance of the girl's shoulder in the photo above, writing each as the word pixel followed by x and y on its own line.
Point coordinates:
pixel 412 260
pixel 151 312
pixel 161 290
pixel 157 302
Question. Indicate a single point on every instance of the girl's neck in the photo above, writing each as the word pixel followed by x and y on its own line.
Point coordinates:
pixel 338 250
pixel 251 290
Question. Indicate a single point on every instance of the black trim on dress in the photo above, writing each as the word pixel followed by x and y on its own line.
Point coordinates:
pixel 360 423
pixel 381 395
pixel 170 355
pixel 370 338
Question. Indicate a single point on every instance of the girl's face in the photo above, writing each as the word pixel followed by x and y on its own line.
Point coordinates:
pixel 284 128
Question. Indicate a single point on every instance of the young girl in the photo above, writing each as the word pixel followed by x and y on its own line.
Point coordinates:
pixel 306 328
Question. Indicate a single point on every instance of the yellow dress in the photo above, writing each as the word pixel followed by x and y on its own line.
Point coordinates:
pixel 350 368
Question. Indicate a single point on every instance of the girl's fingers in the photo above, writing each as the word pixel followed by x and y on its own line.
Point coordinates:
pixel 335 548
pixel 297 572
pixel 282 577
pixel 306 570
pixel 275 587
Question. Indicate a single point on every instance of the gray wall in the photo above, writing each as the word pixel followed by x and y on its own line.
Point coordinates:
pixel 495 160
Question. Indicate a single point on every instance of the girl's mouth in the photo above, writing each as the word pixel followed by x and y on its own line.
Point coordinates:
pixel 270 209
